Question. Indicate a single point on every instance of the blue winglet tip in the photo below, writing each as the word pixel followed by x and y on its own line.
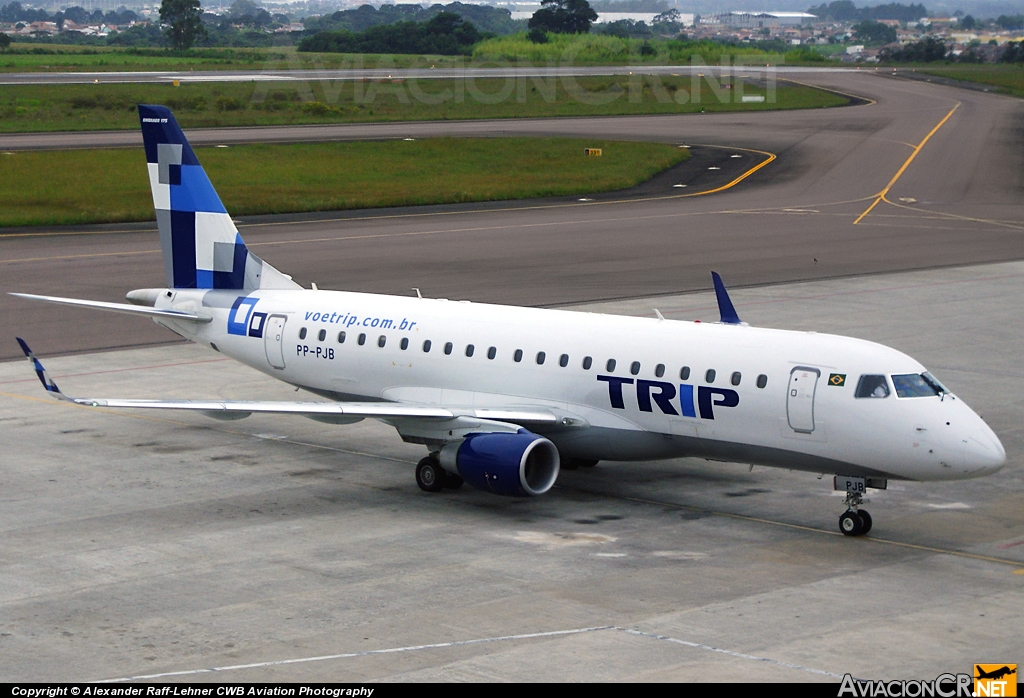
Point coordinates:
pixel 48 383
pixel 725 306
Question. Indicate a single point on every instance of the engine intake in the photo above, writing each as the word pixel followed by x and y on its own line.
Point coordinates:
pixel 514 465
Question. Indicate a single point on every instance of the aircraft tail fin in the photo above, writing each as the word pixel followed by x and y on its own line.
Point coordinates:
pixel 200 244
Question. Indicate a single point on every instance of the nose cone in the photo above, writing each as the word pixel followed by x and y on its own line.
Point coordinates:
pixel 983 452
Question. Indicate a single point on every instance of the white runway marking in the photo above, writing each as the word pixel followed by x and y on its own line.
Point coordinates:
pixel 478 641
pixel 368 653
pixel 739 655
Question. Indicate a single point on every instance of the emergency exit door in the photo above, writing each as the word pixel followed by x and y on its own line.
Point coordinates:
pixel 803 382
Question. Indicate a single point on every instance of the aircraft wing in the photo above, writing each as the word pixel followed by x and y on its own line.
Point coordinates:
pixel 324 411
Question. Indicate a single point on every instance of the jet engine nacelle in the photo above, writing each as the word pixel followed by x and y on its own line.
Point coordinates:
pixel 514 465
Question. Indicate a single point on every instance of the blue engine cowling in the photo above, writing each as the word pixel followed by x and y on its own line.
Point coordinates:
pixel 514 465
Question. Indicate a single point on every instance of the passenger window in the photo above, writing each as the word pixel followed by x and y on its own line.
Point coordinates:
pixel 448 346
pixel 563 360
pixel 610 366
pixel 404 344
pixel 492 352
pixel 341 337
pixel 302 333
pixel 540 358
pixel 470 349
pixel 362 339
pixel 322 336
pixel 684 373
pixel 872 386
pixel 709 377
pixel 634 367
pixel 518 356
pixel 381 341
pixel 426 346
pixel 659 370
pixel 762 381
pixel 587 363
pixel 736 377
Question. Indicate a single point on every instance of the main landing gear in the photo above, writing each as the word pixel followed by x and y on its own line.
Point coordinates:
pixel 854 521
pixel 431 477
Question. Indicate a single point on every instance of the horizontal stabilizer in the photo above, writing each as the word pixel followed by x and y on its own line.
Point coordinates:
pixel 118 307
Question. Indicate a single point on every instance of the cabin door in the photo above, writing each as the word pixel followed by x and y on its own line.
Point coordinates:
pixel 803 382
pixel 273 340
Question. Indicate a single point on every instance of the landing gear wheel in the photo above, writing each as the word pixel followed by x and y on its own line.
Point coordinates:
pixel 850 524
pixel 430 476
pixel 452 481
pixel 865 519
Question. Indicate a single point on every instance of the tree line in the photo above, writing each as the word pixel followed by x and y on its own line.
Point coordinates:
pixel 445 34
pixel 846 11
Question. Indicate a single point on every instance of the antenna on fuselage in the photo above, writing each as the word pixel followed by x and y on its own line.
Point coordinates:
pixel 725 306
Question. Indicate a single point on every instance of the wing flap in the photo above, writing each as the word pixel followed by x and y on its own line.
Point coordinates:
pixel 211 407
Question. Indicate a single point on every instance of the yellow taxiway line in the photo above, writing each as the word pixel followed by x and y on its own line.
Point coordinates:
pixel 899 173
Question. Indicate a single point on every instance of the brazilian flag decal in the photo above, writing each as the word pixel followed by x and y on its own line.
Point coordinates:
pixel 837 379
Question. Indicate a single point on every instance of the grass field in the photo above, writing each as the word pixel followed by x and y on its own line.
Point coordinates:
pixel 564 49
pixel 29 58
pixel 102 186
pixel 1008 77
pixel 103 107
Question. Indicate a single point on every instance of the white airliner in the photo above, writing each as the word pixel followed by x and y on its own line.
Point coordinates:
pixel 505 396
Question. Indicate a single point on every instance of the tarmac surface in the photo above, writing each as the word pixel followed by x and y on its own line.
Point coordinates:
pixel 281 549
pixel 142 545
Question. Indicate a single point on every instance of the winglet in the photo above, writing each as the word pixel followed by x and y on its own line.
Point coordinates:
pixel 44 377
pixel 725 307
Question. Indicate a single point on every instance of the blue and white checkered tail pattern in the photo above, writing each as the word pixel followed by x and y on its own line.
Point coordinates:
pixel 201 246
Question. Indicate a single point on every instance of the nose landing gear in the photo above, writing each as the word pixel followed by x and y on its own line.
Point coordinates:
pixel 854 521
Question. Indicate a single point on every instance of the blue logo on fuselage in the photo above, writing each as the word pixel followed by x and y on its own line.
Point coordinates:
pixel 243 321
pixel 663 394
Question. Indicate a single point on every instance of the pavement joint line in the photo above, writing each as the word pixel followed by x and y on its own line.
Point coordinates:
pixel 812 529
pixel 365 653
pixel 944 215
pixel 342 238
pixel 731 653
pixel 223 430
pixel 411 233
pixel 899 173
pixel 33 379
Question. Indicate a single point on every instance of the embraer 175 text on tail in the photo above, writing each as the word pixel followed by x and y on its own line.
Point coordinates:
pixel 505 396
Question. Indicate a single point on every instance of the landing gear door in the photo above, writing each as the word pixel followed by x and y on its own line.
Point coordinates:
pixel 803 382
pixel 273 340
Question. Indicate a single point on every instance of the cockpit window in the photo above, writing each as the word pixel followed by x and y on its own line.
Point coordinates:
pixel 917 385
pixel 872 386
